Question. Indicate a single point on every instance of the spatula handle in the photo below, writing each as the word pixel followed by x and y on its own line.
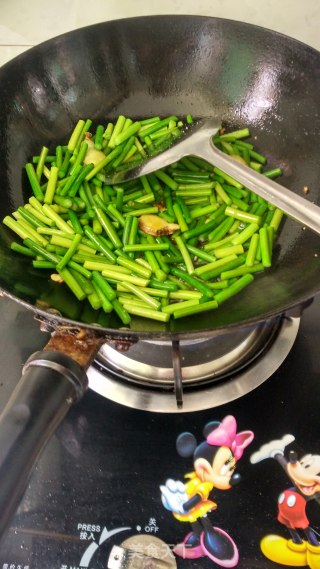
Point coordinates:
pixel 288 201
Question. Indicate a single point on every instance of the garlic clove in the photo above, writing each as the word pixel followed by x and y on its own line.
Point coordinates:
pixel 155 225
pixel 93 156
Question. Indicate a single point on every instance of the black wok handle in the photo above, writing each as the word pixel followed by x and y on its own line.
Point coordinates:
pixel 51 382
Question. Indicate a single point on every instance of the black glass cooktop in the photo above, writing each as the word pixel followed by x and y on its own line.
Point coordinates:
pixel 111 473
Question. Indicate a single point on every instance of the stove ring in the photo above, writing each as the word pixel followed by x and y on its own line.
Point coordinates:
pixel 206 396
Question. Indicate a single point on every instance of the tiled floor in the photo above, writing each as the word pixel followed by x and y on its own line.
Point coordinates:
pixel 27 23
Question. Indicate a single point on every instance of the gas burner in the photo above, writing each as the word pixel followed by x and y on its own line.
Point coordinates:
pixel 191 375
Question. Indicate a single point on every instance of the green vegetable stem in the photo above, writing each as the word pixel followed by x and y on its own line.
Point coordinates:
pixel 172 244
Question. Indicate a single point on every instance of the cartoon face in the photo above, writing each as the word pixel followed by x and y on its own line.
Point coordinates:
pixel 215 458
pixel 219 471
pixel 306 474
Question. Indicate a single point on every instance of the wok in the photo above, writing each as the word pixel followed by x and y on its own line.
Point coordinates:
pixel 241 74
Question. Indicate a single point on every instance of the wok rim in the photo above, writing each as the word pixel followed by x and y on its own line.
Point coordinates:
pixel 159 17
pixel 54 322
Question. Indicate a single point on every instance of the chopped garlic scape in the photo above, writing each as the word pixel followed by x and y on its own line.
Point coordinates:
pixel 93 156
pixel 155 225
pixel 239 159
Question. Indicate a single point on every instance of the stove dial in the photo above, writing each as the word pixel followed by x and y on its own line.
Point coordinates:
pixel 142 552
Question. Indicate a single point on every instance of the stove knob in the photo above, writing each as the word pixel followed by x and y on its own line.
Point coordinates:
pixel 142 552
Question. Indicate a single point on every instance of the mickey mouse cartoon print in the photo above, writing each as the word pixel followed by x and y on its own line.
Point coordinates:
pixel 214 462
pixel 302 548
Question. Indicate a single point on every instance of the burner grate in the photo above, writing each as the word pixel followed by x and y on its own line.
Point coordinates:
pixel 190 375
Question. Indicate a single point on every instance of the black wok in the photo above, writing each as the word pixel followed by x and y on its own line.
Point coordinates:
pixel 245 76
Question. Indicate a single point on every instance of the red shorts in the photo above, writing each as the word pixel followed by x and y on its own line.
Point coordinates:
pixel 292 510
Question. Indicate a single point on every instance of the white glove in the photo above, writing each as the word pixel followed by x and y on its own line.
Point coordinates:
pixel 173 496
pixel 271 449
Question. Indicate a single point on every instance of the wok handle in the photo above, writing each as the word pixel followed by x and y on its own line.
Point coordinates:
pixel 51 382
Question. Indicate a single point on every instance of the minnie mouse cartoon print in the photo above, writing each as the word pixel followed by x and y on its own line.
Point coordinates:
pixel 214 462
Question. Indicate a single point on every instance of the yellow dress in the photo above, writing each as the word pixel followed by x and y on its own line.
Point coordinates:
pixel 196 486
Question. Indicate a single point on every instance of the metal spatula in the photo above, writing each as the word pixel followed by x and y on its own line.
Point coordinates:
pixel 196 140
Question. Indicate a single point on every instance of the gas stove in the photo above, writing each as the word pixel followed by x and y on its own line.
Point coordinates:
pixel 109 489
